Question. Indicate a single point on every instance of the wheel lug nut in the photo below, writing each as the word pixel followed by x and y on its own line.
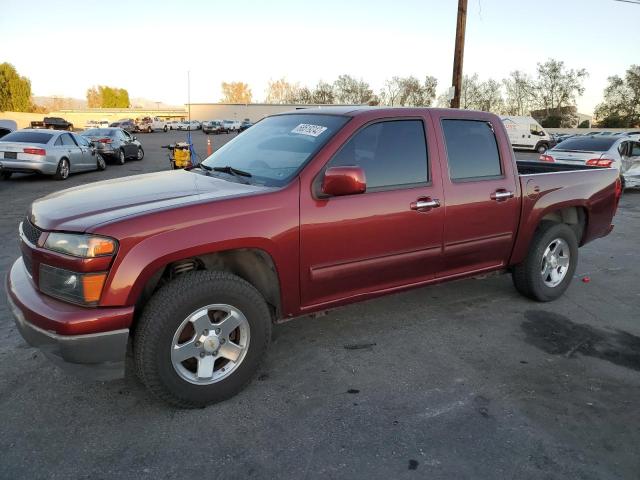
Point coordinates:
pixel 201 354
pixel 215 353
pixel 217 331
pixel 222 340
pixel 198 344
pixel 205 332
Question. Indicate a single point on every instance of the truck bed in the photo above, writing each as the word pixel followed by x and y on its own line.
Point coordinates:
pixel 532 167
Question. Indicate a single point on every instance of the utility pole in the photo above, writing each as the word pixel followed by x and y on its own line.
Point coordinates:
pixel 458 55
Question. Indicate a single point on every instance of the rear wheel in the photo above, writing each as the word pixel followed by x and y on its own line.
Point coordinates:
pixel 164 129
pixel 6 175
pixel 549 267
pixel 195 349
pixel 100 163
pixel 62 173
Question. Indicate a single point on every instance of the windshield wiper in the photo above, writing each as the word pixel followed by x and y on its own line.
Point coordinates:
pixel 231 170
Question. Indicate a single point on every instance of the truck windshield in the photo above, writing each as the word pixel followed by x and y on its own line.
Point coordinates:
pixel 275 149
pixel 587 144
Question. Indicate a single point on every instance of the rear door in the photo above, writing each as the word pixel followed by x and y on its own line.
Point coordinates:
pixel 73 152
pixel 482 195
pixel 357 244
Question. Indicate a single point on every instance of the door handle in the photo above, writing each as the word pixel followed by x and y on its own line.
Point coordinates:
pixel 425 203
pixel 500 195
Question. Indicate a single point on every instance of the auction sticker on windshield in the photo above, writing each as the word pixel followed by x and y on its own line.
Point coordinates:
pixel 308 129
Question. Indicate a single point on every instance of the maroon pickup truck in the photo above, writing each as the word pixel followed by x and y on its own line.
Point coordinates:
pixel 303 212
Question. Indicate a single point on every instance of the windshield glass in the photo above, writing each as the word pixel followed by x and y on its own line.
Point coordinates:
pixel 275 149
pixel 28 137
pixel 99 132
pixel 587 144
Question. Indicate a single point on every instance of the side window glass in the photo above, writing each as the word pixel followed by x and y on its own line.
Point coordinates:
pixel 58 142
pixel 472 150
pixel 391 153
pixel 68 141
pixel 622 148
pixel 635 151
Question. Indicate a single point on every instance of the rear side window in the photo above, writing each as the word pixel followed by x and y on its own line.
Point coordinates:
pixel 67 140
pixel 392 153
pixel 28 137
pixel 472 150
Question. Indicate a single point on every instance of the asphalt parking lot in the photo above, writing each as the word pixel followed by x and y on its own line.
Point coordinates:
pixel 461 380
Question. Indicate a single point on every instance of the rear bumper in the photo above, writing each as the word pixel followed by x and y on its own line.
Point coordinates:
pixel 96 356
pixel 21 166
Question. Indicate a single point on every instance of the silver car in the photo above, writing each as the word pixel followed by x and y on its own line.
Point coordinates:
pixel 49 152
pixel 615 151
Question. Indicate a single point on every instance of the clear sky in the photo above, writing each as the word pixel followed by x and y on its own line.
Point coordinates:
pixel 64 47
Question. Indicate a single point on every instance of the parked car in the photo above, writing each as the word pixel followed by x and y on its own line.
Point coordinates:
pixel 49 153
pixel 173 124
pixel 526 133
pixel 189 125
pixel 229 126
pixel 301 213
pixel 212 126
pixel 621 153
pixel 7 126
pixel 125 124
pixel 245 125
pixel 151 124
pixel 53 123
pixel 96 124
pixel 115 143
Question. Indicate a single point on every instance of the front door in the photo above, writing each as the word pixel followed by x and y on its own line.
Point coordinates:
pixel 482 197
pixel 361 243
pixel 73 152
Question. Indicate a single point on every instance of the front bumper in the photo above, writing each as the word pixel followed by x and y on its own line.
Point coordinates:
pixel 96 356
pixel 21 166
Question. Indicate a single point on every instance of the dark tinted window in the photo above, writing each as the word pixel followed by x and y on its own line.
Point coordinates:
pixel 391 153
pixel 3 132
pixel 635 149
pixel 28 137
pixel 67 140
pixel 600 143
pixel 472 150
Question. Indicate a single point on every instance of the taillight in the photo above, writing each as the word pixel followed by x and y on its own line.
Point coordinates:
pixel 104 140
pixel 600 162
pixel 36 151
pixel 546 158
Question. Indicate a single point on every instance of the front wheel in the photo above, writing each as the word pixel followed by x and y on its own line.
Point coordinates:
pixel 122 158
pixel 100 163
pixel 549 267
pixel 201 338
pixel 140 154
pixel 164 129
pixel 542 148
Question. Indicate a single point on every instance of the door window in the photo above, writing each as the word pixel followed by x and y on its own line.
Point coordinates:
pixel 391 153
pixel 83 142
pixel 472 150
pixel 635 149
pixel 67 140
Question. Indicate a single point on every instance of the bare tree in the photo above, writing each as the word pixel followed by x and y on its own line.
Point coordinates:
pixel 323 93
pixel 390 94
pixel 282 91
pixel 236 92
pixel 520 90
pixel 351 91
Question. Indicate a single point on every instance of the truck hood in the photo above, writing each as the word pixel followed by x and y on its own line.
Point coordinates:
pixel 81 208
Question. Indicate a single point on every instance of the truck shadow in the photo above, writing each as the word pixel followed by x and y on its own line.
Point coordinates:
pixel 557 335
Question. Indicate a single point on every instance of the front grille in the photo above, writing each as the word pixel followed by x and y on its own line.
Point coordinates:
pixel 31 232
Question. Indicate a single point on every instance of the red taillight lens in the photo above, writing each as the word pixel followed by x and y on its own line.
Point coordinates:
pixel 104 140
pixel 36 151
pixel 600 162
pixel 546 158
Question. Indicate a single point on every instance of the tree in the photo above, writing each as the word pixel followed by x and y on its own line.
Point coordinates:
pixel 557 87
pixel 236 92
pixel 490 99
pixel 409 92
pixel 15 90
pixel 281 92
pixel 584 124
pixel 323 93
pixel 621 104
pixel 520 90
pixel 348 90
pixel 102 96
pixel 391 92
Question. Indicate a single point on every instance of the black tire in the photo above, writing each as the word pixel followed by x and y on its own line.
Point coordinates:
pixel 6 175
pixel 623 183
pixel 140 154
pixel 164 313
pixel 164 129
pixel 527 276
pixel 121 158
pixel 63 170
pixel 101 164
pixel 542 148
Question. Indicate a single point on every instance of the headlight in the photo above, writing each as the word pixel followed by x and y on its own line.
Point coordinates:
pixel 82 288
pixel 85 246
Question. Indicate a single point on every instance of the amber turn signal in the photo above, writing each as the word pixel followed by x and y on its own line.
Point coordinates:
pixel 92 286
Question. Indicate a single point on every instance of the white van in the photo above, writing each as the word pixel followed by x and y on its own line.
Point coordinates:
pixel 526 133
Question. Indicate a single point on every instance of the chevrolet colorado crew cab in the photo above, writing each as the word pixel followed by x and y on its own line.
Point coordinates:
pixel 184 272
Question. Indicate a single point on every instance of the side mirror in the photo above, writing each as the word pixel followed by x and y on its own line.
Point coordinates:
pixel 339 181
pixel 541 134
pixel 135 138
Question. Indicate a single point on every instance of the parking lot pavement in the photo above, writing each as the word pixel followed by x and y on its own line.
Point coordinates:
pixel 461 380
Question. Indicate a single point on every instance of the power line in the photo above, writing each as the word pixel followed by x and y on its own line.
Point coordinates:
pixel 635 2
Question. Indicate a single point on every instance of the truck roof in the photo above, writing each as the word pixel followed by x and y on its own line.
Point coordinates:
pixel 355 110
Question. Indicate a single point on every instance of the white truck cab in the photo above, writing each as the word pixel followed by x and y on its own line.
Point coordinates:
pixel 526 133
